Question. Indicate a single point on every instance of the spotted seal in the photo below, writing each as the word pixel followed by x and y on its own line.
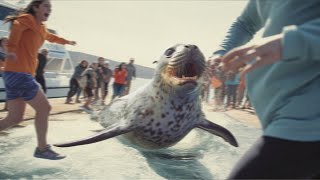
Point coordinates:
pixel 164 111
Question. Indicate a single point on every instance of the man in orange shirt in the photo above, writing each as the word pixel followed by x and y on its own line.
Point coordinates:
pixel 27 35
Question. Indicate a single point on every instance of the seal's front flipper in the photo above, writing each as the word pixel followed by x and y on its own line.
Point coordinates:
pixel 106 134
pixel 218 131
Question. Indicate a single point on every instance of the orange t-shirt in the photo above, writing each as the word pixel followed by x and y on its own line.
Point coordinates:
pixel 26 37
pixel 120 76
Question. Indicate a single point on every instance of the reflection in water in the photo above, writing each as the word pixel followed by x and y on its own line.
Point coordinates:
pixel 180 161
pixel 177 166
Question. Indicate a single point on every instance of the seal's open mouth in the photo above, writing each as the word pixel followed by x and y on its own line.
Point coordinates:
pixel 185 73
pixel 182 65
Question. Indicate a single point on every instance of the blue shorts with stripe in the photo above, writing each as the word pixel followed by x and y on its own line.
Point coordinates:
pixel 20 85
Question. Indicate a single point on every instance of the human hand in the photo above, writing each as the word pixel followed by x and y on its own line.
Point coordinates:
pixel 216 63
pixel 11 56
pixel 215 60
pixel 72 43
pixel 251 57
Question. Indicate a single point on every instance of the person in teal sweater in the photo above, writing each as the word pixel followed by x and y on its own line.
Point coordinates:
pixel 283 79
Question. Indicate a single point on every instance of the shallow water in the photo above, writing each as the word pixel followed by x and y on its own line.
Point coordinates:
pixel 200 155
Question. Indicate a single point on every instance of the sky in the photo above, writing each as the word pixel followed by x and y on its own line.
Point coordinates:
pixel 143 30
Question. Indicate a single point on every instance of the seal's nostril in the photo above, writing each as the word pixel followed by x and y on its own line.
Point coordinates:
pixel 186 46
pixel 195 47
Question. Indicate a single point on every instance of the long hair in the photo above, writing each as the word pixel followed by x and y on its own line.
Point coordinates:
pixel 119 67
pixel 27 10
pixel 83 61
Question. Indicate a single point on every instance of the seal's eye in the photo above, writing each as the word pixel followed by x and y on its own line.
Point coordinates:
pixel 169 52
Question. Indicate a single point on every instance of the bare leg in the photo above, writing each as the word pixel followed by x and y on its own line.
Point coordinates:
pixel 103 91
pixel 102 88
pixel 79 91
pixel 15 114
pixel 240 96
pixel 42 107
pixel 88 102
pixel 104 96
pixel 96 94
pixel 127 88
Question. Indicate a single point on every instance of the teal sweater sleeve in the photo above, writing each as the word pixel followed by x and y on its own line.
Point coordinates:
pixel 243 29
pixel 302 42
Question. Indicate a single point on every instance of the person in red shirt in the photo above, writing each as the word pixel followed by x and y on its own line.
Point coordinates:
pixel 119 74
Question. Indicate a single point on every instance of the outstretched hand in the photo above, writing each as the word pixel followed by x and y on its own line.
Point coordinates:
pixel 72 43
pixel 251 57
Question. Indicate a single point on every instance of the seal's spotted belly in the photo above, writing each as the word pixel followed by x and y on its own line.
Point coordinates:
pixel 162 126
pixel 162 134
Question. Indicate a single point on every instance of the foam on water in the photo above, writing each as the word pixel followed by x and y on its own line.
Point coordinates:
pixel 199 155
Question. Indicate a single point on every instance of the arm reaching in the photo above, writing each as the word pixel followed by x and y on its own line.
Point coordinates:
pixel 294 43
pixel 266 52
pixel 56 39
pixel 73 43
pixel 242 30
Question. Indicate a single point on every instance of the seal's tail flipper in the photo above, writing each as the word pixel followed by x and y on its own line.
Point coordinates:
pixel 218 131
pixel 106 134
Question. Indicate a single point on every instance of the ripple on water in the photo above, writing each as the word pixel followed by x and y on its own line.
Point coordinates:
pixel 198 156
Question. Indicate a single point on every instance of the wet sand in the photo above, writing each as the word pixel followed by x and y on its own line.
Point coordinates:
pixel 59 107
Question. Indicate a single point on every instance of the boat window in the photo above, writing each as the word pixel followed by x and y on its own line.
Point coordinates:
pixel 54 65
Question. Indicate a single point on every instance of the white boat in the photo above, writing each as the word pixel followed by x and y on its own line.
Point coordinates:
pixel 59 67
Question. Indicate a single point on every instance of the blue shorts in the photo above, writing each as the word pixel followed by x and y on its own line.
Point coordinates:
pixel 20 85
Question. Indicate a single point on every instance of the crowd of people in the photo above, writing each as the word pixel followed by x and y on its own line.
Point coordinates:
pixel 226 89
pixel 92 81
